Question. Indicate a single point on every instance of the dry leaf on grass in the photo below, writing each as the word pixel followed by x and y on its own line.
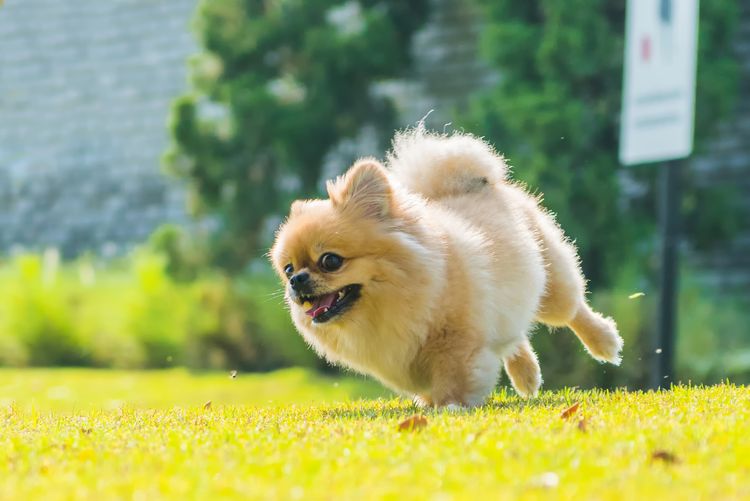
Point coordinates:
pixel 570 411
pixel 207 406
pixel 412 423
pixel 666 456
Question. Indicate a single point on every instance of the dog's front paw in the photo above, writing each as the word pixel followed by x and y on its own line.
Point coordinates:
pixel 454 408
pixel 422 401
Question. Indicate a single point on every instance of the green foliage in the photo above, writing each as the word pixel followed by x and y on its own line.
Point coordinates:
pixel 555 113
pixel 133 314
pixel 276 85
pixel 712 215
pixel 36 313
pixel 712 341
pixel 186 253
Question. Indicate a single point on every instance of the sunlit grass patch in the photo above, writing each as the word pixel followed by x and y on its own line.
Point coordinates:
pixel 92 389
pixel 685 443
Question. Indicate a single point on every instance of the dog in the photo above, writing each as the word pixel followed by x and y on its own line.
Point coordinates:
pixel 429 272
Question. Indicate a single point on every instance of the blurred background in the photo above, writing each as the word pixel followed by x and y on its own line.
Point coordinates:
pixel 150 148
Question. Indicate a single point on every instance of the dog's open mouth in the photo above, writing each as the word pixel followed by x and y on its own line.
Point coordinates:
pixel 324 307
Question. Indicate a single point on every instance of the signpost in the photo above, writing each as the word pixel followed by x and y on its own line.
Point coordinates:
pixel 658 101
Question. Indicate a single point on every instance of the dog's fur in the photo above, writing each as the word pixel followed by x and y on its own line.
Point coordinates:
pixel 455 262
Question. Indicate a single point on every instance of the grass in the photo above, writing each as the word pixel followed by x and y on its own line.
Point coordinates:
pixel 106 390
pixel 159 440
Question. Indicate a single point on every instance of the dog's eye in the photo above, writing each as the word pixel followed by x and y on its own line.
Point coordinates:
pixel 330 261
pixel 289 270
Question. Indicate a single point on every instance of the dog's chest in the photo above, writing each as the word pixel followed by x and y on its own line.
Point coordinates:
pixel 391 364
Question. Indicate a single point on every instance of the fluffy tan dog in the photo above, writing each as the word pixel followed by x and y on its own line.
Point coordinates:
pixel 429 274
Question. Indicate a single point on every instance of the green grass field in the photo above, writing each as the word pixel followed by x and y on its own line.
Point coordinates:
pixel 86 434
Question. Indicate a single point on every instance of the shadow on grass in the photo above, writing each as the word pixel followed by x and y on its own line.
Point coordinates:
pixel 515 403
pixel 401 408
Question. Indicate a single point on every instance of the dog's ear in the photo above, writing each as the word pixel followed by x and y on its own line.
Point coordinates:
pixel 365 188
pixel 296 208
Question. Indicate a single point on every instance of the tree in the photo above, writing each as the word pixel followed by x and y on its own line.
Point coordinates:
pixel 555 111
pixel 276 85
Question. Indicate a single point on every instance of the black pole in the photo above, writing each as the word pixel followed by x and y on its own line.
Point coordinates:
pixel 669 221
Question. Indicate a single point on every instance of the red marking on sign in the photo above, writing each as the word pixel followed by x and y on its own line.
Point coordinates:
pixel 645 49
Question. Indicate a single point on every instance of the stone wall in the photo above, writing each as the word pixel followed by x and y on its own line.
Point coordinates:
pixel 85 89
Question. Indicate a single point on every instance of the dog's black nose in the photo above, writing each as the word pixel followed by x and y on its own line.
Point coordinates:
pixel 299 280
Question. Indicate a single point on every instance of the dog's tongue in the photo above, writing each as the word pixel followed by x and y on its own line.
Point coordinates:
pixel 322 305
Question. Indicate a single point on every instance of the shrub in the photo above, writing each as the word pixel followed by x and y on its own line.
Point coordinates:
pixel 132 314
pixel 243 324
pixel 275 86
pixel 157 312
pixel 38 311
pixel 712 342
pixel 555 113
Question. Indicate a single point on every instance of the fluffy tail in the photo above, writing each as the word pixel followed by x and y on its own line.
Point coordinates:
pixel 444 165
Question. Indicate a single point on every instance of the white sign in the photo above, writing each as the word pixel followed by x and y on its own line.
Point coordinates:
pixel 658 100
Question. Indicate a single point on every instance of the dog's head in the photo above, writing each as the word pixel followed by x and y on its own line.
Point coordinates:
pixel 343 260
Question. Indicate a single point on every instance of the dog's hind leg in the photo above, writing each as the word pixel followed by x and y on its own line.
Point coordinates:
pixel 598 333
pixel 523 370
pixel 564 301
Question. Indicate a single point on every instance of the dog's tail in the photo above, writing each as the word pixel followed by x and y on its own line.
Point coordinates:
pixel 444 165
